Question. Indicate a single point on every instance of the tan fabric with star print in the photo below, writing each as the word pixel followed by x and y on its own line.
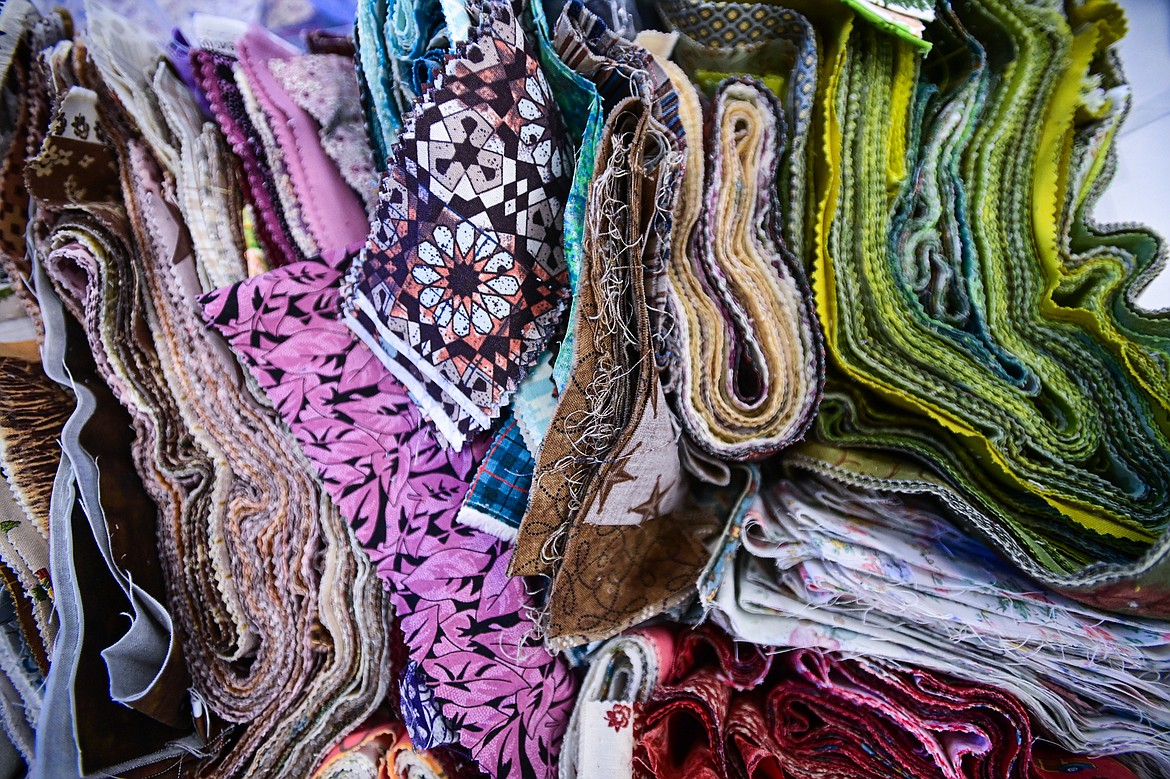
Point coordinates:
pixel 609 487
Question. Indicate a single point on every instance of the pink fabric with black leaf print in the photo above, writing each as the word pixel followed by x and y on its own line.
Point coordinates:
pixel 464 620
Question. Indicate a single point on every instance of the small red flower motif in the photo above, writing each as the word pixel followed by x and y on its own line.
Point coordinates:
pixel 618 716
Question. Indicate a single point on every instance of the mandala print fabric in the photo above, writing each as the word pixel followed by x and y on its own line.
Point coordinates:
pixel 463 280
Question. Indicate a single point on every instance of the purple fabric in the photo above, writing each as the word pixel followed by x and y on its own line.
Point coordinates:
pixel 179 55
pixel 331 210
pixel 465 620
pixel 216 76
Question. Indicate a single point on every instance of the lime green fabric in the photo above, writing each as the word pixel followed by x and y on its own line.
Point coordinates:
pixel 976 320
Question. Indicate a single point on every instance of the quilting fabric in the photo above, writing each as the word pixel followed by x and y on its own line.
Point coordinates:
pixel 206 190
pixel 620 68
pixel 622 675
pixel 534 403
pixel 217 80
pixel 498 495
pixel 51 175
pixel 727 709
pixel 427 727
pixel 1049 761
pixel 465 620
pixel 582 110
pixel 372 65
pixel 324 85
pixel 92 570
pixel 287 209
pixel 775 43
pixel 1047 422
pixel 610 456
pixel 334 217
pixel 33 410
pixel 833 568
pixel 709 689
pixel 887 721
pixel 20 698
pixel 380 748
pixel 685 388
pixel 215 462
pixel 751 360
pixel 28 77
pixel 592 411
pixel 462 282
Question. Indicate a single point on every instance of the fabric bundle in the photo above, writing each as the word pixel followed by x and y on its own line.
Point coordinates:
pixel 213 460
pixel 622 675
pixel 749 356
pixel 33 411
pixel 980 324
pixel 823 566
pixel 726 709
pixel 693 388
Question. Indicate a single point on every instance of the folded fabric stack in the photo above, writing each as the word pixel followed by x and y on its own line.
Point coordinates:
pixel 883 577
pixel 685 388
pixel 710 707
pixel 981 325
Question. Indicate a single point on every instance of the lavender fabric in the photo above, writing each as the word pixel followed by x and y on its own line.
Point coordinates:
pixel 464 619
pixel 332 212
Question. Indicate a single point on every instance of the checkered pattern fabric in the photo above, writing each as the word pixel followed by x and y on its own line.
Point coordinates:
pixel 499 495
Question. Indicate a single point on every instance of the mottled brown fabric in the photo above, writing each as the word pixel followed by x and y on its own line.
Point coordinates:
pixel 610 517
pixel 33 409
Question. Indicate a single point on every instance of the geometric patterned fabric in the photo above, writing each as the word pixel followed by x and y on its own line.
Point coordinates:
pixel 462 282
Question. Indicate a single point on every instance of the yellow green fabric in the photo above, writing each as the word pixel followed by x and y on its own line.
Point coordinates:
pixel 976 320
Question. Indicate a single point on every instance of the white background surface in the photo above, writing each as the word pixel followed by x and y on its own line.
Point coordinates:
pixel 1140 191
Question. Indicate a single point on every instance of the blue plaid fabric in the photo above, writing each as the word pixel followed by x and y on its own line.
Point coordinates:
pixel 498 496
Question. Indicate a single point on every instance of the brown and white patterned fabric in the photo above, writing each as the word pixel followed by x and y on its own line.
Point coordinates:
pixel 463 280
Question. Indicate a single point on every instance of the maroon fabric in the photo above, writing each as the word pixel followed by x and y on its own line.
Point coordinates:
pixel 696 722
pixel 726 709
pixel 1051 762
pixel 832 717
pixel 744 666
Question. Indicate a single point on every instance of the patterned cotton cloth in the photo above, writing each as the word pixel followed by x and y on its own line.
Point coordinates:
pixel 836 568
pixel 465 621
pixel 498 495
pixel 462 282
pixel 324 85
pixel 380 748
pixel 634 547
pixel 622 675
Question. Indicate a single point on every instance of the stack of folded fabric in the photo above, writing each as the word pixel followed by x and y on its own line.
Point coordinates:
pixel 980 324
pixel 598 389
pixel 881 577
pixel 675 702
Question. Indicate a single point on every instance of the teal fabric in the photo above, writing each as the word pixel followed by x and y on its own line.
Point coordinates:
pixel 581 109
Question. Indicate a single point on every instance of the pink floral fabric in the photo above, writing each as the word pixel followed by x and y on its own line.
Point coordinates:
pixel 464 619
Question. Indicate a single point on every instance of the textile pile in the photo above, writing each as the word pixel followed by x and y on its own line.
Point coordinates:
pixel 603 389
